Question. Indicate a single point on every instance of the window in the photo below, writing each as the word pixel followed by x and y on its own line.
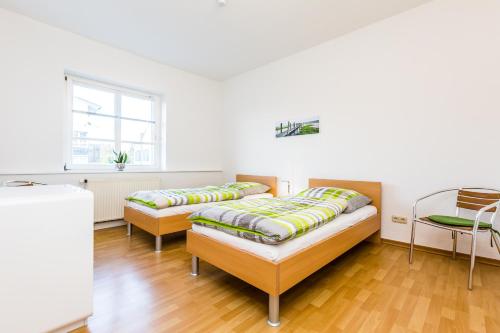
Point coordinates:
pixel 105 118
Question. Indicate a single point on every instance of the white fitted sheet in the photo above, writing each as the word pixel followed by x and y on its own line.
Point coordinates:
pixel 281 251
pixel 176 210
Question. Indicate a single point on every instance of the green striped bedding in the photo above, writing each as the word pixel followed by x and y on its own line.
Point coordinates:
pixel 178 197
pixel 159 199
pixel 273 221
pixel 269 221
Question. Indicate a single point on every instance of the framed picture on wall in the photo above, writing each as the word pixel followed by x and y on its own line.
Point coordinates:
pixel 293 128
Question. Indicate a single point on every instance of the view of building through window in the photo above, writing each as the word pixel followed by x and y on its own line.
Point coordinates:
pixel 107 119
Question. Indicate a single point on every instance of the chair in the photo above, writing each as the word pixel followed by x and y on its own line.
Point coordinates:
pixel 482 200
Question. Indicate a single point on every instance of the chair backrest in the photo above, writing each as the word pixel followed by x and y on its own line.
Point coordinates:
pixel 473 200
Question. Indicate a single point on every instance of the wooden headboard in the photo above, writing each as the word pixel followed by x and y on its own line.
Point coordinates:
pixel 270 181
pixel 372 190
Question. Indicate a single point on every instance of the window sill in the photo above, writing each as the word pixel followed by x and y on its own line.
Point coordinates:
pixel 87 172
pixel 77 171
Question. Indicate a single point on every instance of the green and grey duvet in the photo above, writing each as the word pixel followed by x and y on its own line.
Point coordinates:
pixel 159 199
pixel 273 221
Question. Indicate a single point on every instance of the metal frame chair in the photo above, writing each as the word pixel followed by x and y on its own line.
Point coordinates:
pixel 469 199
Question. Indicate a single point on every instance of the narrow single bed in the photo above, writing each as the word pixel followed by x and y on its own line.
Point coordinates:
pixel 268 256
pixel 160 216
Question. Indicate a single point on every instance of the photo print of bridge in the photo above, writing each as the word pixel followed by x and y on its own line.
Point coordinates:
pixel 292 128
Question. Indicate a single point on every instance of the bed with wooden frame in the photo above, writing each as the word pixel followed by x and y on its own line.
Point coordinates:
pixel 275 278
pixel 159 226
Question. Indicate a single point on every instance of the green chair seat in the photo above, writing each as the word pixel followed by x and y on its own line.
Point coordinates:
pixel 456 221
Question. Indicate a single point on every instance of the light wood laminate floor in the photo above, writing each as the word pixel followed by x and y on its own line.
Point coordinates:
pixel 370 289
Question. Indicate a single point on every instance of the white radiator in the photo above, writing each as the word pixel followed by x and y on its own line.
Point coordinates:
pixel 109 195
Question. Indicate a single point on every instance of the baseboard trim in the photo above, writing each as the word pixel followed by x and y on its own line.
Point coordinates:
pixel 108 224
pixel 71 326
pixel 446 253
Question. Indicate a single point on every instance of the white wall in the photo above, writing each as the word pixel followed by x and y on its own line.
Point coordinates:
pixel 33 58
pixel 412 101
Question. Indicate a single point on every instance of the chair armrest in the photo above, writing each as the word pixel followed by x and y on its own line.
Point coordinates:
pixel 482 211
pixel 428 196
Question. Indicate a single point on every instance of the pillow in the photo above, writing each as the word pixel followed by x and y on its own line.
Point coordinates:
pixel 247 188
pixel 355 200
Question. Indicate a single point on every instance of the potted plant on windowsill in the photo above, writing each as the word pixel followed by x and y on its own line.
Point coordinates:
pixel 120 160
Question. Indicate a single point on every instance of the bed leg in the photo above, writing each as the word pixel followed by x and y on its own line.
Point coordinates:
pixel 274 311
pixel 129 229
pixel 158 244
pixel 195 266
pixel 376 238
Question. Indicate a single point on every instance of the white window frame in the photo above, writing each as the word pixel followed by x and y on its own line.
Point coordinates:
pixel 118 91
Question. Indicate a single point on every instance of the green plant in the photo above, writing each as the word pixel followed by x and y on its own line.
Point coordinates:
pixel 120 157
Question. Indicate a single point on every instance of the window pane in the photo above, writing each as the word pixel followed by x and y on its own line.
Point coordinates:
pixel 139 154
pixel 93 100
pixel 137 131
pixel 92 126
pixel 92 152
pixel 137 108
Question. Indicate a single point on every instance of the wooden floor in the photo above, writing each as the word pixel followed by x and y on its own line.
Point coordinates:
pixel 370 289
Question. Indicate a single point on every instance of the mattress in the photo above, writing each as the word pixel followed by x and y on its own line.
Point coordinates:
pixel 281 251
pixel 176 210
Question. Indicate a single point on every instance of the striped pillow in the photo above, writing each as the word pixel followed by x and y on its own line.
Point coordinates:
pixel 355 200
pixel 247 188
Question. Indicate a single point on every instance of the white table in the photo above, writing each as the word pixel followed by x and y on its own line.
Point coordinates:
pixel 46 258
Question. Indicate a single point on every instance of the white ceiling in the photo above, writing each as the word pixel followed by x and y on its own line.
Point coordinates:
pixel 201 37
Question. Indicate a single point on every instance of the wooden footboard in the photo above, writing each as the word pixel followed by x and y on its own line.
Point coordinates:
pixel 277 277
pixel 157 225
pixel 297 267
pixel 250 268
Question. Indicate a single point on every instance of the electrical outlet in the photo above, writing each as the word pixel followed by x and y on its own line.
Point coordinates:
pixel 399 219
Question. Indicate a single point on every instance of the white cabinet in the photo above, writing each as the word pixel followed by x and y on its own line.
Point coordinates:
pixel 46 258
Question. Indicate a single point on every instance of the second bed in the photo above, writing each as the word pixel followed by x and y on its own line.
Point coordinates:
pixel 276 268
pixel 159 222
